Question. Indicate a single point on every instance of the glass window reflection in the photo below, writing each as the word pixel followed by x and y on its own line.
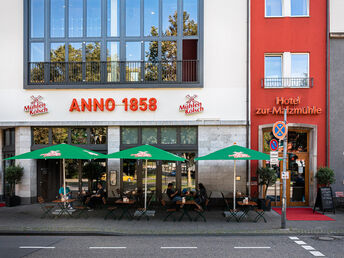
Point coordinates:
pixel 57 22
pixel 273 7
pixel 40 135
pixel 75 18
pixel 169 17
pixel 57 59
pixel 98 135
pixel 151 17
pixel 299 7
pixel 79 136
pixel 92 52
pixel 37 18
pixel 190 18
pixel 113 12
pixel 75 59
pixel 133 64
pixel 151 61
pixel 60 135
pixel 93 18
pixel 129 135
pixel 113 65
pixel 168 135
pixel 149 135
pixel 188 135
pixel 133 15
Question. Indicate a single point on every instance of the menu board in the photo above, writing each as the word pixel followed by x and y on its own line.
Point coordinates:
pixel 324 200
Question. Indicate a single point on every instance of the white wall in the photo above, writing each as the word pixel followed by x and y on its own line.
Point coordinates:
pixel 223 95
pixel 336 16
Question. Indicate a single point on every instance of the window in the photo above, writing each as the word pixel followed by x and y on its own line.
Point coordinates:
pixel 287 70
pixel 105 43
pixel 285 8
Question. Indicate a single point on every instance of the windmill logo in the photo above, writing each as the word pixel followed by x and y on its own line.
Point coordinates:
pixel 37 106
pixel 191 106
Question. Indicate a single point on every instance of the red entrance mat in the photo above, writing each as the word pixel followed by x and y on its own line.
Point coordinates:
pixel 303 214
pixel 2 204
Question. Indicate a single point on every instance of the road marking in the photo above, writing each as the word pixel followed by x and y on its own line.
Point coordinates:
pixel 316 253
pixel 308 247
pixel 300 242
pixel 294 238
pixel 107 247
pixel 36 247
pixel 252 247
pixel 178 247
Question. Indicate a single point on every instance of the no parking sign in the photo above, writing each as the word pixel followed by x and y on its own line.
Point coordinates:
pixel 280 130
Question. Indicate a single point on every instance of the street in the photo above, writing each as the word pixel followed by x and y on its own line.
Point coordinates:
pixel 169 246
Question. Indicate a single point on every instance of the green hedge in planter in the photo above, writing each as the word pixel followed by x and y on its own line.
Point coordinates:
pixel 325 176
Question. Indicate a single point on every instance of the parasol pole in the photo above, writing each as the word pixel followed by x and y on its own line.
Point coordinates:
pixel 64 178
pixel 234 188
pixel 146 185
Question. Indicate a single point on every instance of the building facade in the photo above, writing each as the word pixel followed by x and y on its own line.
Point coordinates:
pixel 288 70
pixel 112 74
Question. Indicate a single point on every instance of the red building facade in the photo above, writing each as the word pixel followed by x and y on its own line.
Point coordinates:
pixel 288 70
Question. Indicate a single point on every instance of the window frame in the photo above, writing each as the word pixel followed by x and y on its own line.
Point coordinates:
pixel 308 61
pixel 286 10
pixel 103 39
pixel 274 16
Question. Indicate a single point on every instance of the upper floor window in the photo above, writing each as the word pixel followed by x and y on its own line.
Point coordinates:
pixel 287 70
pixel 104 43
pixel 281 8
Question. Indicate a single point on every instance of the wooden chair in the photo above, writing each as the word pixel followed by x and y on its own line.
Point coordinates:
pixel 47 209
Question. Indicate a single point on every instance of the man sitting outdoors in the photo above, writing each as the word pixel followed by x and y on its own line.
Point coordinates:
pixel 173 194
pixel 96 199
pixel 67 196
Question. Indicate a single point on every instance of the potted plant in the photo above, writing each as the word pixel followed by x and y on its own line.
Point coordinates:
pixel 267 176
pixel 13 175
pixel 325 177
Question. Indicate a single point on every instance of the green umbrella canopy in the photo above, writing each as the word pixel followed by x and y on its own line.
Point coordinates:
pixel 235 152
pixel 146 152
pixel 60 151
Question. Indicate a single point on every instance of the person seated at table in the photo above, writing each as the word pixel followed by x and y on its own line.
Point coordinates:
pixel 172 193
pixel 97 198
pixel 66 196
pixel 202 194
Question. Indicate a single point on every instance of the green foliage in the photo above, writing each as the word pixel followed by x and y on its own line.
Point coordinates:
pixel 325 176
pixel 92 171
pixel 13 175
pixel 267 177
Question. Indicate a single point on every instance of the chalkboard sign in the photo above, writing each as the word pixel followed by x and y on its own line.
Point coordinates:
pixel 324 200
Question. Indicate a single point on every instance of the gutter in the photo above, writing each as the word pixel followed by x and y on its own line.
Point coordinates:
pixel 248 174
pixel 327 82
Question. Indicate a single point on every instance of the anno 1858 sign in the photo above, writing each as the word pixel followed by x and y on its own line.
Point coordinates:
pixel 36 107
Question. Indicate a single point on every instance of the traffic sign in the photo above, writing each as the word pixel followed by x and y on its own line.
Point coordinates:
pixel 273 158
pixel 280 130
pixel 285 175
pixel 274 145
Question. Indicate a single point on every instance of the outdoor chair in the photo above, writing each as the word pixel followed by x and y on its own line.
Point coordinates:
pixel 111 212
pixel 260 215
pixel 225 201
pixel 47 209
pixel 80 211
pixel 170 210
pixel 140 209
pixel 200 213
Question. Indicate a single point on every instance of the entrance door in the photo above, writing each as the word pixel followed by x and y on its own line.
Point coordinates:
pixel 48 179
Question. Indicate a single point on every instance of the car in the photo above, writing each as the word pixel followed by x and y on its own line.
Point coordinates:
pixel 128 178
pixel 173 173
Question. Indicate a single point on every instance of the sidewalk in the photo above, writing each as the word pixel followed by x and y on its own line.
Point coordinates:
pixel 26 219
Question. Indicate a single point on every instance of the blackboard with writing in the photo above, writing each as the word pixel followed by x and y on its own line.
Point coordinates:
pixel 324 200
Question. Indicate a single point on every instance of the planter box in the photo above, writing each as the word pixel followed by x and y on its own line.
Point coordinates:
pixel 12 201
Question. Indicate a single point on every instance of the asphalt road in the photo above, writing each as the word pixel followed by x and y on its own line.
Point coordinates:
pixel 169 246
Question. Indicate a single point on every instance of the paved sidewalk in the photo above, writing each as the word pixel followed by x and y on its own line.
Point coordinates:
pixel 26 219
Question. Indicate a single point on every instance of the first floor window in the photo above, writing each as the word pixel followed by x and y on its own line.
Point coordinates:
pixel 273 71
pixel 273 8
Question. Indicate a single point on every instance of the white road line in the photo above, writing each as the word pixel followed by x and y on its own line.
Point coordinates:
pixel 308 247
pixel 107 247
pixel 178 247
pixel 36 247
pixel 294 238
pixel 252 247
pixel 316 253
pixel 300 242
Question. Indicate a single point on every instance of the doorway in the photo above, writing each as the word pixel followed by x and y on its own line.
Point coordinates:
pixel 48 179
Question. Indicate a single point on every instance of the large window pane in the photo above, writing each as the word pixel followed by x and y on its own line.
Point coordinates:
pixel 133 21
pixel 113 65
pixel 188 172
pixel 113 18
pixel 299 7
pixel 37 18
pixel 75 18
pixel 190 18
pixel 299 70
pixel 168 135
pixel 133 63
pixel 149 135
pixel 98 135
pixel 169 17
pixel 57 59
pixel 37 63
pixel 273 71
pixel 169 172
pixel 75 59
pixel 79 136
pixel 40 135
pixel 151 61
pixel 92 61
pixel 169 60
pixel 129 135
pixel 57 22
pixel 129 178
pixel 188 135
pixel 151 17
pixel 60 135
pixel 93 18
pixel 273 7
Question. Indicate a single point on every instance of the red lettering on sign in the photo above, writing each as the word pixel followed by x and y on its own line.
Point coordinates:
pixel 86 105
pixel 96 104
pixel 110 104
pixel 74 106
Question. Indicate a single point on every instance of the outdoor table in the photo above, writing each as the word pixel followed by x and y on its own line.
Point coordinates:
pixel 63 206
pixel 187 206
pixel 246 207
pixel 124 206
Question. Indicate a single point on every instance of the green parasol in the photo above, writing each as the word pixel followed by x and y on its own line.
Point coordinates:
pixel 145 152
pixel 61 151
pixel 235 152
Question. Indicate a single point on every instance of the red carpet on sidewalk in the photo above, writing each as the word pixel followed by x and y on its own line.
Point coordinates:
pixel 2 204
pixel 303 214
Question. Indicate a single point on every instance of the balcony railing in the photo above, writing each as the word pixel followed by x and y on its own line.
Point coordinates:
pixel 291 82
pixel 117 72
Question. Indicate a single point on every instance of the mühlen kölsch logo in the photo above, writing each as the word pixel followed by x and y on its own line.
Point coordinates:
pixel 36 107
pixel 191 106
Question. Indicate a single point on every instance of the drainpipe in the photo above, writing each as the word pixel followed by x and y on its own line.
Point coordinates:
pixel 327 82
pixel 248 174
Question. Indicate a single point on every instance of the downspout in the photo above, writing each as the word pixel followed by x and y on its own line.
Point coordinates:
pixel 248 174
pixel 327 82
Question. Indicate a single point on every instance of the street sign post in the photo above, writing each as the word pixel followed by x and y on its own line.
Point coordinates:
pixel 280 130
pixel 273 158
pixel 274 145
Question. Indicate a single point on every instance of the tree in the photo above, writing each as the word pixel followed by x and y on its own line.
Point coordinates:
pixel 13 176
pixel 267 177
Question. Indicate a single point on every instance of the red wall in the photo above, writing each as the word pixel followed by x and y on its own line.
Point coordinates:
pixel 287 34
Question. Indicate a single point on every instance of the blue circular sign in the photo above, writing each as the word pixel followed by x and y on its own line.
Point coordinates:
pixel 274 145
pixel 279 130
